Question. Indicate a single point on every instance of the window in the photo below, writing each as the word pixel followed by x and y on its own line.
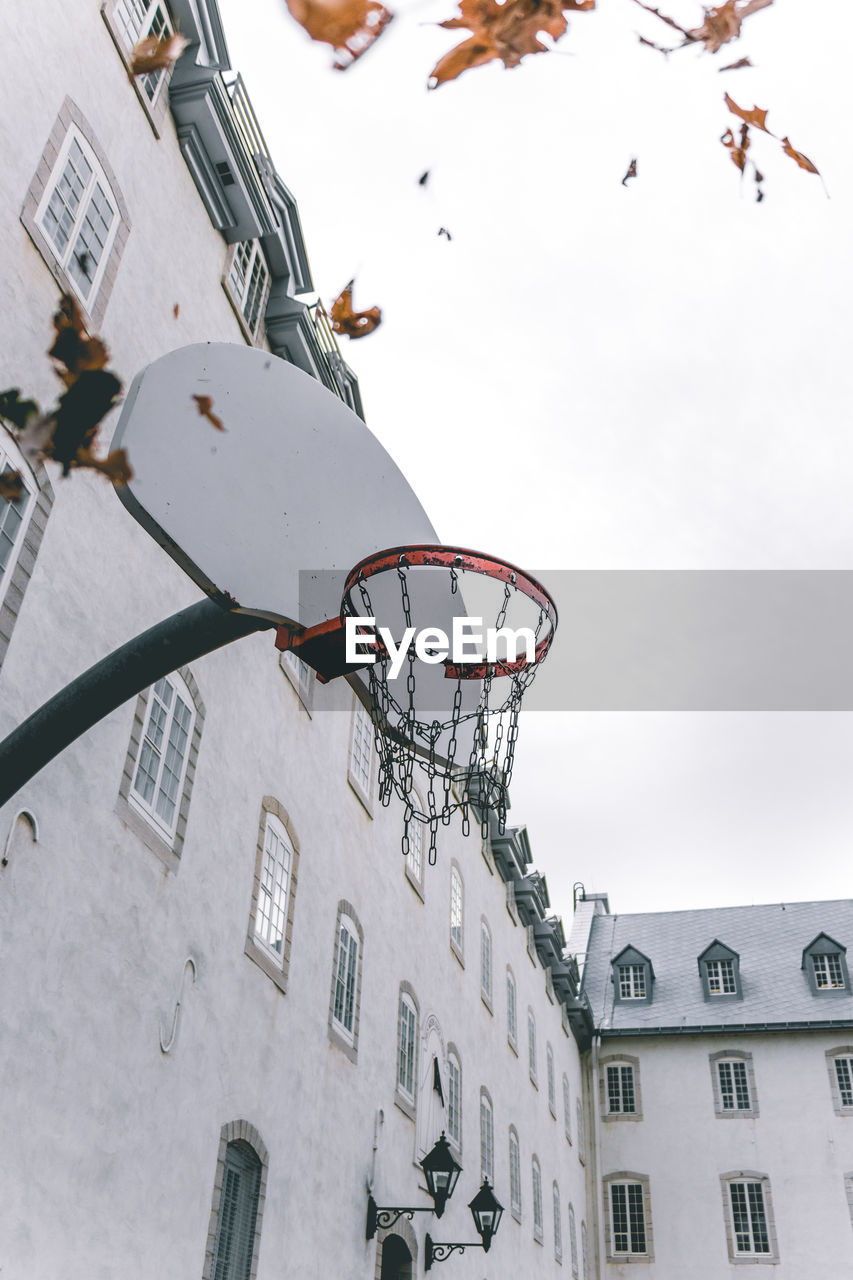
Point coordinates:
pixel 511 1011
pixel 487 1138
pixel 238 1202
pixel 346 981
pixel 558 1225
pixel 13 517
pixel 552 1087
pixel 573 1242
pixel 164 753
pixel 486 963
pixel 621 1088
pixel 361 754
pixel 538 1232
pixel 627 1209
pixel 457 934
pixel 749 1221
pixel 567 1109
pixel 531 1044
pixel 454 1100
pixel 22 525
pixel 632 975
pixel 407 1022
pixel 135 20
pixel 584 1252
pixel 248 282
pixel 514 1175
pixel 825 964
pixel 274 886
pixel 300 675
pixel 75 215
pixel 848 1191
pixel 840 1064
pixel 415 855
pixel 719 968
pixel 581 1131
pixel 734 1084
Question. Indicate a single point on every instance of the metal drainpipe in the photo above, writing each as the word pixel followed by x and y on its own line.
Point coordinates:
pixel 598 1216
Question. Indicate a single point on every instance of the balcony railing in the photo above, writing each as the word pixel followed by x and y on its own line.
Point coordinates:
pixel 330 354
pixel 244 114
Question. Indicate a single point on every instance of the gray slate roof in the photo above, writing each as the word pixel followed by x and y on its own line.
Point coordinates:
pixel 769 940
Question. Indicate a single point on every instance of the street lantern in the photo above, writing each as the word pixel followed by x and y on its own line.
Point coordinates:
pixel 442 1172
pixel 486 1211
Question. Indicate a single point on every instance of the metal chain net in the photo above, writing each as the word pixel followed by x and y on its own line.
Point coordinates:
pixel 406 744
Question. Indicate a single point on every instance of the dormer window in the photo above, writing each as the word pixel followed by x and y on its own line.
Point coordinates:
pixel 633 976
pixel 719 968
pixel 825 965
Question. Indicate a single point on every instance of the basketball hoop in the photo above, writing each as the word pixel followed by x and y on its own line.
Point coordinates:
pixel 461 736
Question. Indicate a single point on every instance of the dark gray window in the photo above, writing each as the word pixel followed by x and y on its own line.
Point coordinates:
pixel 238 1214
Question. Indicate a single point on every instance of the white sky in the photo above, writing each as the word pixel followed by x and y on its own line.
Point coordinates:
pixel 594 376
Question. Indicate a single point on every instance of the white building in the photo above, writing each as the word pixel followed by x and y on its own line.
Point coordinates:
pixel 229 1007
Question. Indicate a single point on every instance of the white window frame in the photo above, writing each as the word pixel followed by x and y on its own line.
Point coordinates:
pixel 345 980
pixel 361 762
pixel 454 1099
pixel 567 1109
pixel 558 1223
pixel 632 982
pixel 271 910
pixel 97 179
pixel 531 1046
pixel 407 1038
pixel 732 1071
pixel 149 746
pixel 486 963
pixel 135 20
pixel 538 1226
pixel 750 1227
pixel 511 1010
pixel 828 971
pixel 457 913
pixel 551 1079
pixel 300 676
pixel 247 281
pixel 722 980
pixel 839 1062
pixel 514 1174
pixel 10 460
pixel 621 1088
pixel 629 1223
pixel 487 1138
pixel 573 1241
pixel 581 1128
pixel 415 857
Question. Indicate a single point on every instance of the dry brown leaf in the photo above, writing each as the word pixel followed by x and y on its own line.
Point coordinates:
pixel 736 66
pixel 738 149
pixel 721 24
pixel 114 466
pixel 757 116
pixel 11 485
pixel 349 26
pixel 507 31
pixel 204 404
pixel 81 408
pixel 153 54
pixel 803 161
pixel 355 324
pixel 176 310
pixel 666 50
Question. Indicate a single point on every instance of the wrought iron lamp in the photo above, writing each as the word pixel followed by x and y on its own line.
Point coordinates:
pixel 486 1210
pixel 441 1171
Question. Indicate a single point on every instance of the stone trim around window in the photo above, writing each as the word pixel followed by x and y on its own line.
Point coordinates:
pixel 17 576
pixel 457 945
pixel 749 1259
pixel 406 1233
pixel 515 1196
pixel 157 110
pixel 169 853
pixel 408 1106
pixel 643 1180
pixel 236 1131
pixel 839 1106
pixel 349 1049
pixel 487 965
pixel 733 1113
pixel 620 1060
pixel 273 967
pixel 70 115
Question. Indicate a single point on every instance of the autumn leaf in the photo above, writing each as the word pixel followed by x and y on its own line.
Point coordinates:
pixel 666 50
pixel 349 26
pixel 15 410
pixel 736 66
pixel 631 172
pixel 355 324
pixel 721 24
pixel 154 54
pixel 176 310
pixel 803 161
pixel 114 466
pixel 204 404
pixel 757 116
pixel 81 408
pixel 507 31
pixel 11 485
pixel 738 149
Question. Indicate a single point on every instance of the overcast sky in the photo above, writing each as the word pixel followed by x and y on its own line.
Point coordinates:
pixel 592 376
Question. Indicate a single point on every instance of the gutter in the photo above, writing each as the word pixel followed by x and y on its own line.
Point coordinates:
pixel 592 1154
pixel 727 1028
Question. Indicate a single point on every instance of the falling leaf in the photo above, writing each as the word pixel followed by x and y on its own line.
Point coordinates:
pixel 114 466
pixel 72 346
pixel 204 404
pixel 355 324
pixel 670 22
pixel 349 26
pixel 759 178
pixel 721 24
pixel 507 31
pixel 15 410
pixel 736 66
pixel 176 310
pixel 631 172
pixel 424 178
pixel 803 161
pixel 661 48
pixel 154 54
pixel 738 150
pixel 757 116
pixel 11 486
pixel 442 231
pixel 81 408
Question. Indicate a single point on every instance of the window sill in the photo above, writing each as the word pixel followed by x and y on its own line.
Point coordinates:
pixel 552 1109
pixel 513 1045
pixel 363 797
pixel 622 1115
pixel 751 1114
pixel 416 884
pixel 147 834
pixel 487 1001
pixel 516 1213
pixel 405 1105
pixel 267 962
pixel 457 953
pixel 339 1040
pixel 534 1082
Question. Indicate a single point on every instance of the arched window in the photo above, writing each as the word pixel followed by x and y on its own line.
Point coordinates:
pixel 238 1200
pixel 584 1252
pixel 487 1138
pixel 511 1010
pixel 23 514
pixel 552 1087
pixel 538 1233
pixel 454 1099
pixel 567 1109
pixel 581 1131
pixel 457 903
pixel 273 892
pixel 627 1211
pixel 531 1044
pixel 407 1035
pixel 486 962
pixel 415 856
pixel 573 1242
pixel 514 1174
pixel 558 1224
pixel 346 980
pixel 750 1229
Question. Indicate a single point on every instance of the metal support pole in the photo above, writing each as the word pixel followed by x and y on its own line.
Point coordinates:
pixel 125 672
